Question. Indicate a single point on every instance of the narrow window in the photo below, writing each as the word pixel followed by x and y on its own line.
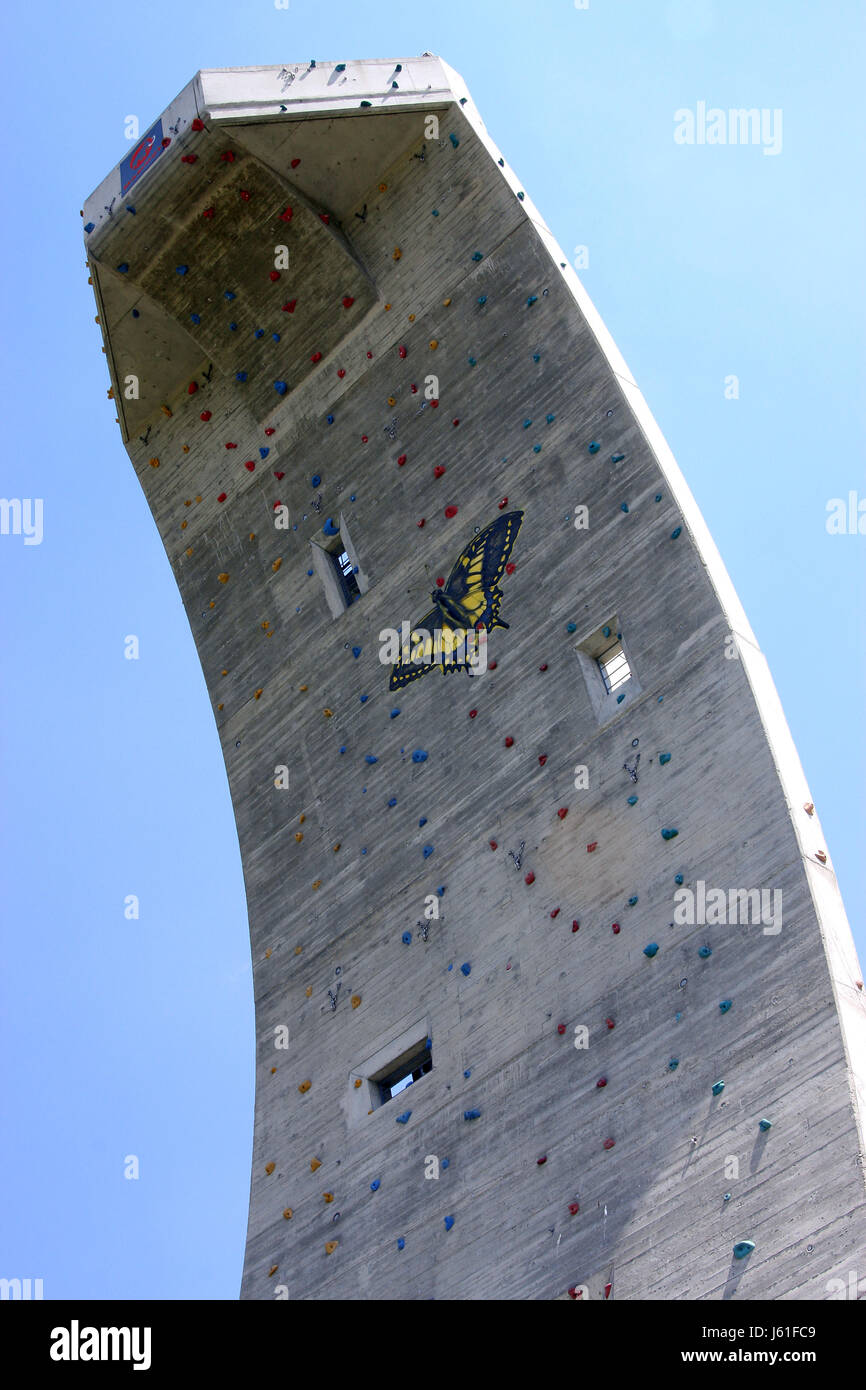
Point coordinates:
pixel 345 572
pixel 608 670
pixel 402 1075
pixel 336 562
pixel 614 667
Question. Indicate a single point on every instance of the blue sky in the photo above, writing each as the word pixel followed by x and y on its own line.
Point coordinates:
pixel 136 1037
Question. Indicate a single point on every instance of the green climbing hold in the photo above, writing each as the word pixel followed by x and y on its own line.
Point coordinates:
pixel 765 1124
pixel 651 950
pixel 676 532
pixel 664 758
pixel 743 1248
pixel 669 834
pixel 718 1087
pixel 571 627
pixel 632 801
pixel 725 1005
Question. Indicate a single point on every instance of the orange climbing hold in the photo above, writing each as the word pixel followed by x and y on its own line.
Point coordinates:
pixel 154 463
pixel 288 1213
pixel 328 713
pixel 299 835
pixel 304 1087
pixel 328 1196
pixel 314 1164
pixel 273 1269
pixel 397 253
pixel 355 1002
pixel 317 884
pixel 257 693
pixel 357 1083
pixel 269 1168
pixel 330 1246
pixel 309 991
pixel 223 578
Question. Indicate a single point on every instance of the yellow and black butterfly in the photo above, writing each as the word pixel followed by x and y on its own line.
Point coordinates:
pixel 467 604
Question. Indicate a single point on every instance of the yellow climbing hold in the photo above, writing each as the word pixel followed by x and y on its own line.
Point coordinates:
pixel 328 713
pixel 299 835
pixel 276 565
pixel 303 687
pixel 223 578
pixel 258 693
pixel 337 846
pixel 446 302
pixel 288 1213
pixel 185 448
pixel 268 953
pixel 219 707
pixel 411 318
pixel 387 306
pixel 154 463
pixel 355 1001
pixel 392 400
pixel 265 625
pixel 223 673
pixel 269 1168
pixel 330 1246
pixel 213 605
pixel 328 1196
pixel 304 1087
pixel 314 1164
pixel 188 502
pixel 165 410
pixel 357 1083
pixel 298 950
pixel 309 991
pixel 189 552
pixel 198 499
pixel 273 1069
pixel 273 1269
pixel 183 526
pixel 302 817
pixel 434 343
pixel 317 884
pixel 397 253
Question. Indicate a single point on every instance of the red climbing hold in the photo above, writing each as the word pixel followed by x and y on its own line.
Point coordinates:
pixel 610 1023
pixel 289 308
pixel 491 665
pixel 607 1289
pixel 279 477
pixel 286 215
pixel 166 142
pixel 556 911
pixel 542 759
pixel 562 812
pixel 439 470
pixel 575 1292
pixel 249 465
pixel 369 355
pixel 222 497
pixel 228 156
pixel 590 848
pixel 455 423
pixel 402 350
pixel 364 439
pixel 574 1208
pixel 325 218
pixel 277 504
pixel 510 567
pixel 341 372
pixel 616 928
pixel 450 512
pixel 543 666
pixel 472 713
pixel 295 163
pixel 315 357
pixel 609 1143
pixel 188 158
pixel 434 404
pixel 494 844
pixel 192 388
pixel 439 583
pixel 348 301
pixel 420 523
pixel 509 742
pixel 530 878
pixel 503 504
pixel 231 446
pixel 401 460
pixel 414 389
pixel 601 1083
pixel 209 212
pixel 575 926
pixel 205 415
pixel 560 1028
pixel 197 124
pixel 245 194
pixel 541 1161
pixel 270 430
pixel 274 275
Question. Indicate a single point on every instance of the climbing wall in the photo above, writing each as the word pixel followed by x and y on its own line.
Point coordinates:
pixel 486 861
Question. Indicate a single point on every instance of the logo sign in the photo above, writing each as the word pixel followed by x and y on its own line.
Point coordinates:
pixel 148 149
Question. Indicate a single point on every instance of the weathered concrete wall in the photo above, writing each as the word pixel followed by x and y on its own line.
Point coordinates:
pixel 334 874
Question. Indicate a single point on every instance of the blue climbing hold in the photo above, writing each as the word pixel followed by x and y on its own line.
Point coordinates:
pixel 181 269
pixel 263 453
pixel 330 419
pixel 467 1073
pixel 571 627
pixel 531 300
pixel 718 1087
pixel 521 196
pixel 673 1063
pixel 401 1119
pixel 676 532
pixel 594 447
pixel 482 299
pixel 454 141
pixel 394 713
pixel 123 267
pixel 550 419
pixel 658 497
pixel 88 227
pixel 309 574
pixel 449 1222
pixel 678 878
pixel 259 333
pixel 526 424
pixel 727 1197
pixel 329 528
pixel 371 758
pixel 435 212
pixel 632 900
pixel 428 850
pixel 536 357
pixel 743 1248
pixel 477 256
pixel 472 1114
pixel 316 480
pixel 341 67
pixel 441 891
pixel 195 318
pixel 428 1042
pixel 466 968
pixel 605 632
pixel 620 698
pixel 356 652
pixel 765 1124
pixel 276 337
pixel 617 458
pixel 536 448
pixel 407 938
pixel 422 822
pixel 632 801
pixel 401 1244
pixel 664 758
pixel 240 376
pixel 445 1162
pixel 343 749
pixel 669 834
pixel 229 294
pixel 725 1005
pixel 375 1184
pixel 419 756
pixel 280 387
pixel 651 949
pixel 624 507
pixel 233 327
pixel 705 952
pixel 393 801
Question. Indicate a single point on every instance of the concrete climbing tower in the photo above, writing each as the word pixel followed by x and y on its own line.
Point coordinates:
pixel 555 994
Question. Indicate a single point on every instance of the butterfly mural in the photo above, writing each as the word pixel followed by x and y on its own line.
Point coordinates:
pixel 467 604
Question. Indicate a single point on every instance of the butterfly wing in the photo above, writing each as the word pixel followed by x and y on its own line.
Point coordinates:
pixel 406 670
pixel 473 582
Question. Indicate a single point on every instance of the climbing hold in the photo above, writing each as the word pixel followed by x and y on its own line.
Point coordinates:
pixel 591 848
pixel 594 447
pixel 718 1087
pixel 222 496
pixel 449 1220
pixel 541 1161
pixel 280 387
pixel 562 812
pixel 632 800
pixel 678 878
pixel 509 742
pixel 375 1184
pixel 651 949
pixel 556 911
pixel 601 1083
pixel 314 1164
pixel 560 1028
pixel 269 1168
pixel 402 1119
pixel 330 529
pixel 673 1063
pixel 765 1124
pixel 428 850
pixel 355 1001
pixel 616 928
pixel 289 306
pixel 571 627
pixel 617 458
pixel 725 1005
pixel 328 1196
pixel 472 1114
pixel 356 652
pixel 330 1246
pixel 624 507
pixel 664 758
pixel 493 844
pixel 529 879
pixel 632 900
pixel 743 1248
pixel 401 1244
pixel 705 952
pixel 609 1143
pixel 466 968
pixel 533 298
pixel 676 532
pixel 574 1208
pixel 450 512
pixel 438 470
pixel 575 926
pixel 669 834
